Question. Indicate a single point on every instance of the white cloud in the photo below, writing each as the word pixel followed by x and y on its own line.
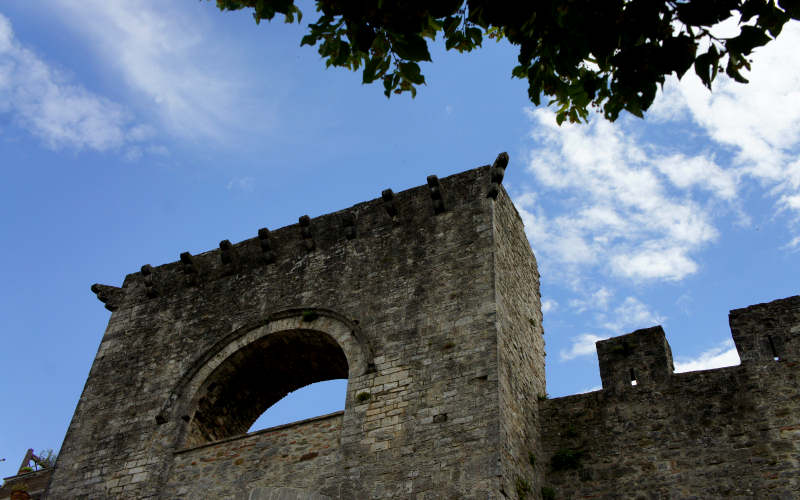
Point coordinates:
pixel 722 355
pixel 597 300
pixel 62 114
pixel 649 209
pixel 759 121
pixel 163 51
pixel 549 305
pixel 698 172
pixel 653 261
pixel 629 315
pixel 632 314
pixel 619 202
pixel 582 345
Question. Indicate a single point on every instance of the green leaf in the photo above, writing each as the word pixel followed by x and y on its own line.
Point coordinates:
pixel 454 40
pixel 411 72
pixel 370 70
pixel 519 72
pixel 387 85
pixel 342 53
pixel 749 38
pixel 450 25
pixel 678 54
pixel 706 66
pixel 732 69
pixel 411 47
pixel 635 109
pixel 791 7
pixel 475 35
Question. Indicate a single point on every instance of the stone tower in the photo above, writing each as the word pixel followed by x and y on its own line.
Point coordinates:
pixel 426 301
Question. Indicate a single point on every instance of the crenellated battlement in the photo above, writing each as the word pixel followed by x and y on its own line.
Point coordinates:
pixel 763 333
pixel 767 332
pixel 328 233
pixel 716 433
pixel 642 358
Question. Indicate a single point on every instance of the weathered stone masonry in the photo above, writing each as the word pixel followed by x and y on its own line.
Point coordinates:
pixel 401 295
pixel 729 432
pixel 427 301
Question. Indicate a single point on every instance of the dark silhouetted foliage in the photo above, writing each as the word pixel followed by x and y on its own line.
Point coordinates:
pixel 611 54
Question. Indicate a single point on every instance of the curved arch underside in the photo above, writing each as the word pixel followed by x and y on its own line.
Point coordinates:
pixel 257 376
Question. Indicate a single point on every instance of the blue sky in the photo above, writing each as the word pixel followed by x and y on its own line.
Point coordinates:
pixel 131 133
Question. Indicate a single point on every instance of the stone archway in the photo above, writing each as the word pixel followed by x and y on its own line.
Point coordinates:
pixel 250 373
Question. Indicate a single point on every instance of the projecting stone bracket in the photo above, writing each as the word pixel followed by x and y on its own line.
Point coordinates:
pixel 228 254
pixel 150 289
pixel 498 171
pixel 387 195
pixel 267 252
pixel 111 296
pixel 436 194
pixel 305 232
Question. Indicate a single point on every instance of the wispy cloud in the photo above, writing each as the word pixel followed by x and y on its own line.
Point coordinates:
pixel 582 345
pixel 61 113
pixel 629 315
pixel 549 305
pixel 597 300
pixel 722 355
pixel 165 52
pixel 628 207
pixel 759 121
pixel 632 314
pixel 619 204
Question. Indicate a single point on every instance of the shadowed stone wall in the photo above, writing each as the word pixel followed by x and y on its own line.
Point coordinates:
pixel 427 301
pixel 399 294
pixel 729 432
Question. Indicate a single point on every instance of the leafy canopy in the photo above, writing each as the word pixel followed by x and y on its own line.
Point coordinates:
pixel 606 54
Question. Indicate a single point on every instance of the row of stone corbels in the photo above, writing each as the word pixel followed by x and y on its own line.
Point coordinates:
pixel 763 333
pixel 229 256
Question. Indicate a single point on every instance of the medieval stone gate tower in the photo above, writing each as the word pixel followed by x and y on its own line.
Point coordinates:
pixel 426 300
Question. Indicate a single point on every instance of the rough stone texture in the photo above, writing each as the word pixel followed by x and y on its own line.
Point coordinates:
pixel 520 350
pixel 407 295
pixel 427 301
pixel 301 458
pixel 729 432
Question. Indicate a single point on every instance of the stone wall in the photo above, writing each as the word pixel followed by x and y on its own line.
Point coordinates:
pixel 729 432
pixel 295 458
pixel 427 301
pixel 399 294
pixel 520 351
